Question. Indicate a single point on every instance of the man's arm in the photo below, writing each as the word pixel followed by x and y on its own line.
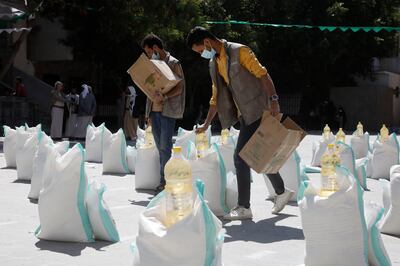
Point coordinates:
pixel 212 111
pixel 269 88
pixel 249 61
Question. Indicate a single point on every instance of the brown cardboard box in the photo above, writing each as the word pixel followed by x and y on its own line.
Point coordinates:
pixel 272 144
pixel 152 76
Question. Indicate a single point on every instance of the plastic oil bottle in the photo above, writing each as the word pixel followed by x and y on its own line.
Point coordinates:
pixel 327 132
pixel 384 132
pixel 201 144
pixel 328 175
pixel 148 137
pixel 360 130
pixel 178 188
pixel 224 136
pixel 341 136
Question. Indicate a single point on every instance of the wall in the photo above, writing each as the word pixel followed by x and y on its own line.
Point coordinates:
pixel 372 105
pixel 45 42
pixel 21 61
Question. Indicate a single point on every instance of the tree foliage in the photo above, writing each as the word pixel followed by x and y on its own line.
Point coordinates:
pixel 105 33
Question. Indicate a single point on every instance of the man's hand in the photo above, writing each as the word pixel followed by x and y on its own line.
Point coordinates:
pixel 158 97
pixel 275 108
pixel 202 128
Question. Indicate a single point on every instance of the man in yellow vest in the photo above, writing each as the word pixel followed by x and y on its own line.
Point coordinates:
pixel 242 90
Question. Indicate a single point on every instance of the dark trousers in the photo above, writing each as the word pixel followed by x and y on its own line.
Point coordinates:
pixel 163 129
pixel 243 170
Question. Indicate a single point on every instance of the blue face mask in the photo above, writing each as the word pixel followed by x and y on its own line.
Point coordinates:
pixel 155 56
pixel 208 54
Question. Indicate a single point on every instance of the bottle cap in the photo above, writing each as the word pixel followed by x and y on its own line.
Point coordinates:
pixel 177 149
pixel 331 145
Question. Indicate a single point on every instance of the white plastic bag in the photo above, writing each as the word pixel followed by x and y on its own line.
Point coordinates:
pixel 384 156
pixel 196 240
pixel 186 136
pixel 391 199
pixel 39 162
pixel 114 153
pixel 319 148
pixel 100 217
pixel 227 152
pixel 62 201
pixel 147 168
pixel 360 145
pixel 140 134
pixel 291 175
pixel 27 146
pixel 10 145
pixel 131 154
pixel 36 128
pixel 334 228
pixel 211 170
pixel 94 143
pixel 231 196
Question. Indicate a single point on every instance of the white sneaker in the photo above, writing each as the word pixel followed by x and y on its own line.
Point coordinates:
pixel 239 213
pixel 281 200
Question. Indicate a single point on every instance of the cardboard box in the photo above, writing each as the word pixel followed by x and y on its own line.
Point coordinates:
pixel 152 76
pixel 272 144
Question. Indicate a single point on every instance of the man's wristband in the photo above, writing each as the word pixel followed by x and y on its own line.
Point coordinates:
pixel 274 98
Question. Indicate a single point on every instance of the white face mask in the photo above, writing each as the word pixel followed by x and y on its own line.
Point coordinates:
pixel 155 56
pixel 208 54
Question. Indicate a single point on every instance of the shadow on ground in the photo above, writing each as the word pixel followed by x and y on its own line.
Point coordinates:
pixel 20 181
pixel 69 248
pixel 264 231
pixel 143 203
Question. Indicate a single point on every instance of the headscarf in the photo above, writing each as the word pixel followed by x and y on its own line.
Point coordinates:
pixel 57 83
pixel 85 91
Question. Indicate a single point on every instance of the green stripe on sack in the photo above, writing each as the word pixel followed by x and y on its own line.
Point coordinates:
pixel 298 168
pixel 222 171
pixel 108 224
pixel 303 187
pixel 154 201
pixel 360 193
pixel 210 228
pixel 81 198
pixel 376 247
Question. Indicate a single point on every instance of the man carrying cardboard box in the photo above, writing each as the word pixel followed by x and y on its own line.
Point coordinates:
pixel 165 108
pixel 241 90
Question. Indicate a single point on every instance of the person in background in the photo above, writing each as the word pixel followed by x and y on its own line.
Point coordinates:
pixel 130 123
pixel 164 109
pixel 72 105
pixel 242 90
pixel 57 110
pixel 19 89
pixel 86 111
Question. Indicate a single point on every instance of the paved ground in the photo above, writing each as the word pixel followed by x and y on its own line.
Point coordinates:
pixel 266 240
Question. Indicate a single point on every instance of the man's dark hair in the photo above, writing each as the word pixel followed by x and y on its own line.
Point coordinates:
pixel 151 39
pixel 197 36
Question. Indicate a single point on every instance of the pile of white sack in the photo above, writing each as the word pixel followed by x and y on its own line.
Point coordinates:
pixel 341 224
pixel 69 208
pixel 391 202
pixel 195 240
